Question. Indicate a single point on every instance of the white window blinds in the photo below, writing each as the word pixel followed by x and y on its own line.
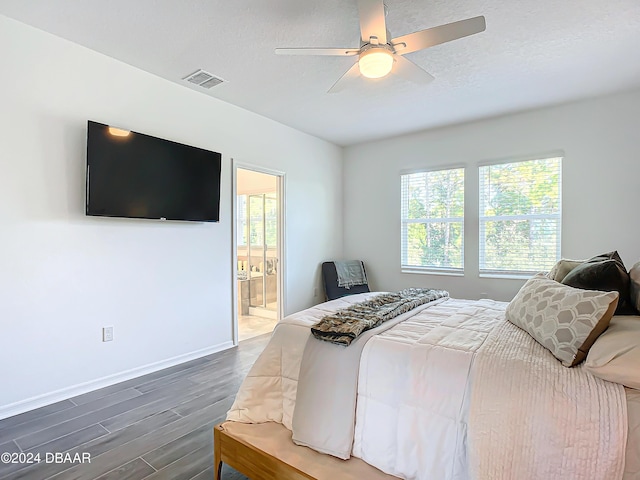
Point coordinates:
pixel 520 216
pixel 433 220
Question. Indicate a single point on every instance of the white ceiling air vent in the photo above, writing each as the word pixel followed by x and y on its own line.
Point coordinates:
pixel 203 79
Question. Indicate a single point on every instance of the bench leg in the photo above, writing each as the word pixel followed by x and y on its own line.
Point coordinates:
pixel 217 461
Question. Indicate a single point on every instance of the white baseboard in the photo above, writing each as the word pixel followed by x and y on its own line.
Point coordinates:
pixel 38 401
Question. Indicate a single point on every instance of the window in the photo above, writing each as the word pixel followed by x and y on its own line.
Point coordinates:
pixel 253 211
pixel 520 216
pixel 242 221
pixel 432 221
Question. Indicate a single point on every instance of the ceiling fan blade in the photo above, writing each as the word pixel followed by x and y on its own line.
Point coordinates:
pixel 408 70
pixel 372 20
pixel 337 52
pixel 347 79
pixel 437 35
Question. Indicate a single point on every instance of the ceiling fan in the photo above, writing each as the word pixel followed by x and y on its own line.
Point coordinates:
pixel 379 54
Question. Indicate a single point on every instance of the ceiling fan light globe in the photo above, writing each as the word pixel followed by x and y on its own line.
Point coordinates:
pixel 375 63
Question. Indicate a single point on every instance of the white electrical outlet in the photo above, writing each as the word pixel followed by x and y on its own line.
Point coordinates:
pixel 107 334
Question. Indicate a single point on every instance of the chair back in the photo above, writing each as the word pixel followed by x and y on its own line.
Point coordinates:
pixel 330 280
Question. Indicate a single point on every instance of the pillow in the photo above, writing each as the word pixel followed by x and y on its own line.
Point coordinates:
pixel 607 256
pixel 615 356
pixel 606 275
pixel 562 268
pixel 634 278
pixel 564 320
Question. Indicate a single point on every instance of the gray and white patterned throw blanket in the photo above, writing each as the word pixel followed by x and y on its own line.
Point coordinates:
pixel 344 326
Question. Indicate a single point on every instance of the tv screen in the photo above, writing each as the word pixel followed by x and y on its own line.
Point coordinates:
pixel 134 175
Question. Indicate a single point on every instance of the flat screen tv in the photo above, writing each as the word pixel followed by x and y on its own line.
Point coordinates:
pixel 134 175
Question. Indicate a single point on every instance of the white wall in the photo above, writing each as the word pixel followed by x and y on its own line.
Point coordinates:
pixel 166 287
pixel 601 194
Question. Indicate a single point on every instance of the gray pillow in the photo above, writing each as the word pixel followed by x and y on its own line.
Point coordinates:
pixel 564 320
pixel 607 256
pixel 606 275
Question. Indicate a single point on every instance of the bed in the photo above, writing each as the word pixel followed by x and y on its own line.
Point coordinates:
pixel 447 390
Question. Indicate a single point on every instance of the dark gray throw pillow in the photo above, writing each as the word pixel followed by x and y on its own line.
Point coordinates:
pixel 606 275
pixel 607 256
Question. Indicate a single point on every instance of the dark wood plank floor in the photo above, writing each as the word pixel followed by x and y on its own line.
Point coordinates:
pixel 158 426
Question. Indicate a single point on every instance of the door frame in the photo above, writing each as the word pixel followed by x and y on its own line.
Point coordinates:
pixel 280 187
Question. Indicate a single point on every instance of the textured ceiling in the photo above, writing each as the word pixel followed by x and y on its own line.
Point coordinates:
pixel 532 54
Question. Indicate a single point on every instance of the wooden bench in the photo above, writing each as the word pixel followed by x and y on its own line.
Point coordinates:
pixel 265 451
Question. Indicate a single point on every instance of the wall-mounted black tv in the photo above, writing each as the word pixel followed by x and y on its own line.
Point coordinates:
pixel 134 175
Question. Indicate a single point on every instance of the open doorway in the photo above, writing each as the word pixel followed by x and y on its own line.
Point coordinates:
pixel 258 247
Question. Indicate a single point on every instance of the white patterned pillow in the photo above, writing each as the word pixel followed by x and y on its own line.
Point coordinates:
pixel 564 320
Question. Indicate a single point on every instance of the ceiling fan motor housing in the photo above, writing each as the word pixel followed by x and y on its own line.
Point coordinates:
pixel 375 61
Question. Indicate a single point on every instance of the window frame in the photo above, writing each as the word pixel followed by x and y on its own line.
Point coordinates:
pixel 405 267
pixel 518 273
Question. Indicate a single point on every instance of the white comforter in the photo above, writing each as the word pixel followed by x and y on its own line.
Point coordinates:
pixel 415 415
pixel 268 393
pixel 414 388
